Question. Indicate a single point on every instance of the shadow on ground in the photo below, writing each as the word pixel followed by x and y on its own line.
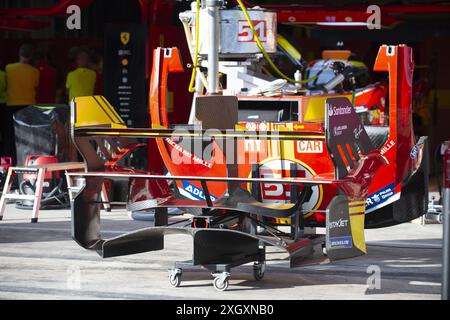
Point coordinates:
pixel 406 266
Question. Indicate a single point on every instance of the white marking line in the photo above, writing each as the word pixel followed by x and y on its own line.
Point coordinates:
pixel 406 261
pixel 424 283
pixel 57 229
pixel 65 229
pixel 414 265
pixel 404 244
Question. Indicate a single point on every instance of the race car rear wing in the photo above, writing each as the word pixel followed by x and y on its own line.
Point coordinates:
pixel 348 145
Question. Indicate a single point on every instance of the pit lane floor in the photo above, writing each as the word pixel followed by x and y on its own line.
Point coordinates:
pixel 41 261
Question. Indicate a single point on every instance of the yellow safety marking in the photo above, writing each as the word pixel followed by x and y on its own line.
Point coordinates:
pixel 113 110
pixel 153 134
pixel 90 113
pixel 157 126
pixel 357 226
pixel 356 209
pixel 355 203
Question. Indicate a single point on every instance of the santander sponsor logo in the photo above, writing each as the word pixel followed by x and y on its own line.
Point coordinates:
pixel 337 111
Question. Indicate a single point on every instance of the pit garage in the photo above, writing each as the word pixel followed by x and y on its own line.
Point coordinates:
pixel 239 150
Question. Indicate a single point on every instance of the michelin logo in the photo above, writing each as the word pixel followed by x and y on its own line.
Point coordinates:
pixel 380 196
pixel 196 192
pixel 341 242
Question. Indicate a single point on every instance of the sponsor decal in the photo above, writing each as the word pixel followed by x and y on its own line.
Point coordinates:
pixel 341 223
pixel 339 111
pixel 252 145
pixel 361 108
pixel 308 146
pixel 196 192
pixel 379 197
pixel 194 159
pixel 387 147
pixel 338 130
pixel 279 193
pixel 341 242
pixel 263 127
pixel 357 131
pixel 414 152
pixel 251 126
pixel 245 33
pixel 125 38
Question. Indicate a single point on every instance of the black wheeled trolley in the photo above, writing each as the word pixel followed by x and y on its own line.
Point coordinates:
pixel 222 271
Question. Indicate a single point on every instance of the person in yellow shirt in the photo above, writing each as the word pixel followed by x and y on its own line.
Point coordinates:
pixel 22 79
pixel 2 88
pixel 81 81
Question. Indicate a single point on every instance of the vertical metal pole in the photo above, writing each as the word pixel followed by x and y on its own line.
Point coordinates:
pixel 446 246
pixel 446 235
pixel 212 9
pixel 198 92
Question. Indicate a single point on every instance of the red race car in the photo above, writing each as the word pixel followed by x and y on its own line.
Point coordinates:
pixel 240 179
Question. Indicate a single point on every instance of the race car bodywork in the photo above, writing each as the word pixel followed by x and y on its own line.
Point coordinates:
pixel 396 142
pixel 239 179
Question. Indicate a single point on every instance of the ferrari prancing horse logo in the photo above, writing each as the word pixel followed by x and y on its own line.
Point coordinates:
pixel 125 37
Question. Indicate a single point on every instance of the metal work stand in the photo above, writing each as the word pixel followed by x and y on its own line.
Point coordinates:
pixel 221 271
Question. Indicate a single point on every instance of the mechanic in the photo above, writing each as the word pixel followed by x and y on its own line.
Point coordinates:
pixel 22 80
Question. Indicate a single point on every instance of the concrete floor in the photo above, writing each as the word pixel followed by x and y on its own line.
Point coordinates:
pixel 40 261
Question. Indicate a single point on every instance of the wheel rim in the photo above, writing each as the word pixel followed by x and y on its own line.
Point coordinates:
pixel 220 285
pixel 174 280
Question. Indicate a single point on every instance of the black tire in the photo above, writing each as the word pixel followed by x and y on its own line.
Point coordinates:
pixel 258 271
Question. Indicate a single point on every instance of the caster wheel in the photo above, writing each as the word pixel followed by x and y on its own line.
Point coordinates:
pixel 175 278
pixel 258 271
pixel 220 284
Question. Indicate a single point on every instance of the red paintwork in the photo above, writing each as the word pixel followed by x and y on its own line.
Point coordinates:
pixel 447 164
pixel 307 14
pixel 373 96
pixel 5 163
pixel 420 8
pixel 395 152
pixel 8 23
pixel 58 9
pixel 162 66
pixel 400 92
pixel 327 16
pixel 35 160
